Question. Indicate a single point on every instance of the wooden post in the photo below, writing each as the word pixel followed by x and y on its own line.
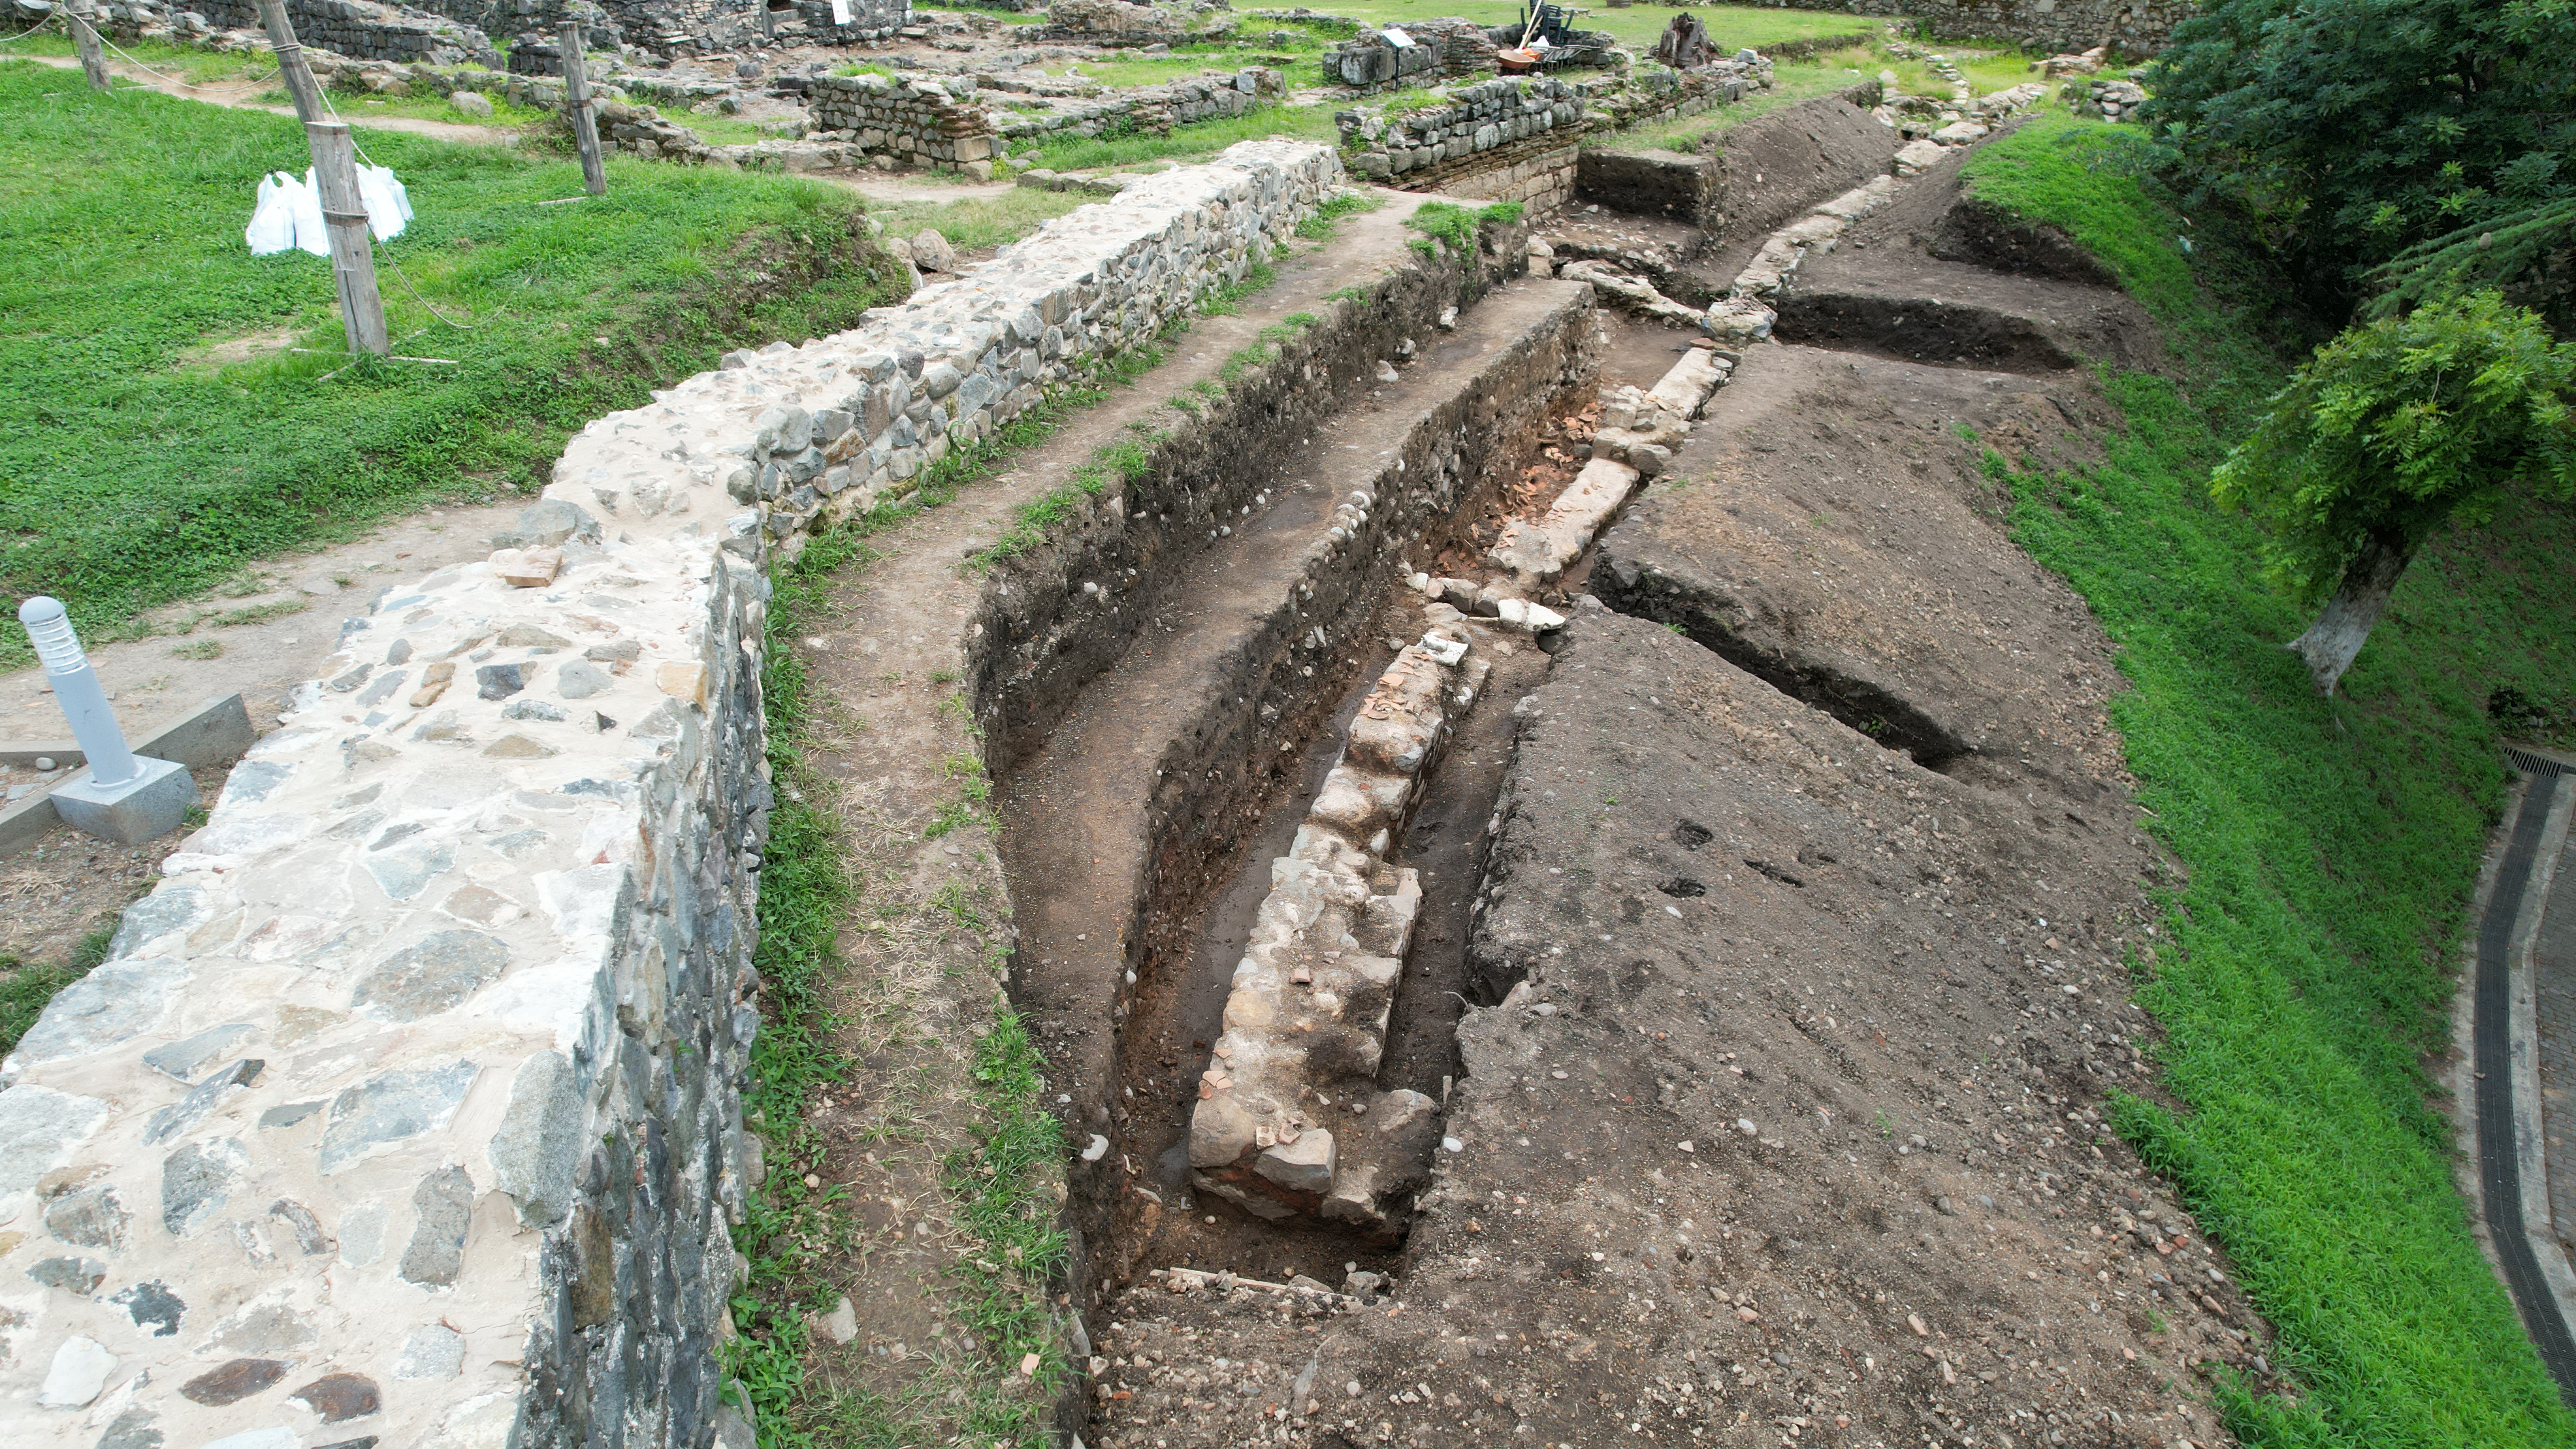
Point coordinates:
pixel 585 126
pixel 290 61
pixel 85 37
pixel 344 214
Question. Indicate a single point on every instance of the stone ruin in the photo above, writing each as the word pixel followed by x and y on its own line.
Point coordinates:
pixel 1113 22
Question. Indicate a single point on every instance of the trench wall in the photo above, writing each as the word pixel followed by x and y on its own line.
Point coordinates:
pixel 408 1104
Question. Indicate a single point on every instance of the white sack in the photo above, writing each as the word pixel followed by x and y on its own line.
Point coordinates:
pixel 388 204
pixel 310 234
pixel 272 221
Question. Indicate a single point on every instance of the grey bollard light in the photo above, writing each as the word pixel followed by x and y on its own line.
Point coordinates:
pixel 122 796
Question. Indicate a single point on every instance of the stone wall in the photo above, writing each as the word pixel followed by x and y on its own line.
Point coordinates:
pixel 2134 27
pixel 1505 139
pixel 1440 47
pixel 407 1106
pixel 1157 109
pixel 923 121
pixel 1479 119
pixel 940 124
pixel 1114 22
pixel 359 28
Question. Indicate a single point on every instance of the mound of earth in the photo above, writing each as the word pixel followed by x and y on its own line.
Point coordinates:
pixel 1941 277
pixel 1789 1118
pixel 1827 527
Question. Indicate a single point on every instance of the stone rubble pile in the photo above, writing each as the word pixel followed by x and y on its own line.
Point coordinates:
pixel 407 1107
pixel 1290 1121
pixel 2111 99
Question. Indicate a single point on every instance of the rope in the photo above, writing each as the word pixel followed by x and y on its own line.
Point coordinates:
pixel 390 259
pixel 36 29
pixel 250 84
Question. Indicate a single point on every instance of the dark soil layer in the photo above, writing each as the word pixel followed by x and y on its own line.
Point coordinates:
pixel 1938 277
pixel 1808 1047
pixel 1826 527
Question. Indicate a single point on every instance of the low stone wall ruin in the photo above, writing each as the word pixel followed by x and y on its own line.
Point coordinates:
pixel 940 124
pixel 359 28
pixel 1479 119
pixel 408 1105
pixel 2134 27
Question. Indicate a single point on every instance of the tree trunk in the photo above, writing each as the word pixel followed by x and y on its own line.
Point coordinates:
pixel 2338 634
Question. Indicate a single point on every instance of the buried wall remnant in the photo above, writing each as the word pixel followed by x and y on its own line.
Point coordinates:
pixel 422 1067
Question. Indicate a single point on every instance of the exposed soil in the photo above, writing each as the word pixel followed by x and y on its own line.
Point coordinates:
pixel 1086 808
pixel 1827 528
pixel 1918 283
pixel 1796 1065
pixel 1794 982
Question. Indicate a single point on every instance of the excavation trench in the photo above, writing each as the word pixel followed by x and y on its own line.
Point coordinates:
pixel 1147 788
pixel 1170 697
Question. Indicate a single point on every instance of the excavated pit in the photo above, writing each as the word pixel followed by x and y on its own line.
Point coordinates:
pixel 1151 771
pixel 1782 1057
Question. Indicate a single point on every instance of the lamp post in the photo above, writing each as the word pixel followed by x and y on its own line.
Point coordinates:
pixel 123 797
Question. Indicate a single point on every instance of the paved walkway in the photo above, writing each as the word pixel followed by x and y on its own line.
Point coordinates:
pixel 2525 1060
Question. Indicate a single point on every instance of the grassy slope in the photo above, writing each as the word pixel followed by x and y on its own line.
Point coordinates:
pixel 2333 850
pixel 131 473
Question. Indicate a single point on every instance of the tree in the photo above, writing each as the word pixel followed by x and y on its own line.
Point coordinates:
pixel 2357 129
pixel 2388 432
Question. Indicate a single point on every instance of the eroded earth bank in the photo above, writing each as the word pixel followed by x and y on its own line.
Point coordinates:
pixel 1762 927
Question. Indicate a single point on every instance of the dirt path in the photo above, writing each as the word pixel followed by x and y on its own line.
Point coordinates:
pixel 889 751
pixel 237 96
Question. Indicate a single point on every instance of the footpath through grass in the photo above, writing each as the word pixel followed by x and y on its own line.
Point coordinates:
pixel 139 462
pixel 2333 849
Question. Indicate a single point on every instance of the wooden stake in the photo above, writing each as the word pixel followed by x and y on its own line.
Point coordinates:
pixel 353 262
pixel 585 126
pixel 290 61
pixel 93 57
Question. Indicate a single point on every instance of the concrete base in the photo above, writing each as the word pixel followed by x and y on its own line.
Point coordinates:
pixel 147 807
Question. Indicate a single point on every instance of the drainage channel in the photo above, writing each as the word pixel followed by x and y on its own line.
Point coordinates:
pixel 1157 833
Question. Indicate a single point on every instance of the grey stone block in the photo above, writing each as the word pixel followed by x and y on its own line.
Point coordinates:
pixel 147 807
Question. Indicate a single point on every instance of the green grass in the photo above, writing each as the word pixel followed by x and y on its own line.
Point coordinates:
pixel 228 70
pixel 2083 177
pixel 1730 27
pixel 978 222
pixel 1458 226
pixel 1067 152
pixel 2333 849
pixel 1792 82
pixel 26 986
pixel 135 468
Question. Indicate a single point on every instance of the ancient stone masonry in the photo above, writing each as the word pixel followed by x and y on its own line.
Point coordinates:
pixel 922 121
pixel 1157 109
pixel 941 124
pixel 1479 119
pixel 359 28
pixel 1423 50
pixel 2135 27
pixel 1290 1120
pixel 407 1106
pixel 1114 22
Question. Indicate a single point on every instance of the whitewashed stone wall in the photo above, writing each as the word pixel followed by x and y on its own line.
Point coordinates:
pixel 408 1105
